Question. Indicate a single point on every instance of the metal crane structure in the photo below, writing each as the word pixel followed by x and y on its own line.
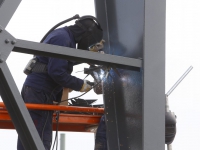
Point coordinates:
pixel 134 103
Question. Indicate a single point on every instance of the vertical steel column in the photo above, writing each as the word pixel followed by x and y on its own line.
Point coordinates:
pixel 135 102
pixel 154 75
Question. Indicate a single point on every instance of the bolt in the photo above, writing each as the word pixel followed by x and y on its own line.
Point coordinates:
pixel 1 60
pixel 7 41
pixel 1 29
pixel 13 42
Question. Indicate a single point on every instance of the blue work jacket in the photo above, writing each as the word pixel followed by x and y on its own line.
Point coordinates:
pixel 59 70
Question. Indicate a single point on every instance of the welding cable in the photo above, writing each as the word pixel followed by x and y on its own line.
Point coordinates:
pixel 57 25
pixel 56 136
pixel 48 113
pixel 86 76
pixel 79 95
pixel 57 116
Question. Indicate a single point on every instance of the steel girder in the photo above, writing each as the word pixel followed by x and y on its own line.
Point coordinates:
pixel 76 55
pixel 7 9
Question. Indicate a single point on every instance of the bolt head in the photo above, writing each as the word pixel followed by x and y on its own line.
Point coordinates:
pixel 7 41
pixel 1 29
pixel 1 60
pixel 13 42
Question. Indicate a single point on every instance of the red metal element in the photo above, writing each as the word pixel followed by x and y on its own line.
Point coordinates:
pixel 61 108
pixel 67 122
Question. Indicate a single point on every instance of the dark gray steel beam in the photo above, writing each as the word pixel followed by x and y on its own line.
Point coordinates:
pixel 154 75
pixel 17 111
pixel 76 55
pixel 7 9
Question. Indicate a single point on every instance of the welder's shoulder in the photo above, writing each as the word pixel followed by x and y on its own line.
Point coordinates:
pixel 59 37
pixel 60 34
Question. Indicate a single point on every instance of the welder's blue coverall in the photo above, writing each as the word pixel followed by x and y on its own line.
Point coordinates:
pixel 44 88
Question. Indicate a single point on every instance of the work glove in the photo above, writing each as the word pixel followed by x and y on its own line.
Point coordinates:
pixel 86 87
pixel 97 47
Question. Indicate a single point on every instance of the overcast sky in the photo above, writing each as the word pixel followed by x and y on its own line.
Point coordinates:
pixel 34 18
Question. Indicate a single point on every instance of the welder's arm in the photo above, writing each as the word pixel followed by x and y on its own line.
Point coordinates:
pixel 57 69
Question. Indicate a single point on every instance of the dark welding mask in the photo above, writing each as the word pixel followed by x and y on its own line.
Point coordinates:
pixel 93 32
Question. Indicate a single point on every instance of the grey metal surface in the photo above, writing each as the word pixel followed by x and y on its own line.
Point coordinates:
pixel 1 2
pixel 17 111
pixel 154 75
pixel 75 54
pixel 123 23
pixel 7 9
pixel 135 103
pixel 6 45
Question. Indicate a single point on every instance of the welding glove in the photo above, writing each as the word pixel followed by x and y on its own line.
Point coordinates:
pixel 86 87
pixel 97 47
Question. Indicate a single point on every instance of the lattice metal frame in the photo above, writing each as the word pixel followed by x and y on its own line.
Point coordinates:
pixel 154 36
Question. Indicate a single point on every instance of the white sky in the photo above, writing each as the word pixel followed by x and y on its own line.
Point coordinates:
pixel 34 18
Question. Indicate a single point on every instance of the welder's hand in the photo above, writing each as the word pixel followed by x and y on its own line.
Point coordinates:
pixel 86 87
pixel 97 47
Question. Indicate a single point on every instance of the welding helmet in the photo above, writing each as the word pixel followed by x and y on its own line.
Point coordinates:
pixel 92 34
pixel 87 32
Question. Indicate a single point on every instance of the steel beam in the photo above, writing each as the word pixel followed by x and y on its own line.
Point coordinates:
pixel 17 110
pixel 7 9
pixel 76 55
pixel 154 75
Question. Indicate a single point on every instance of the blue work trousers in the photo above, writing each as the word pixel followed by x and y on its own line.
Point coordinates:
pixel 41 119
pixel 101 140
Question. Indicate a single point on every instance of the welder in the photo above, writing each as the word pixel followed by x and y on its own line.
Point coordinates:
pixel 48 76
